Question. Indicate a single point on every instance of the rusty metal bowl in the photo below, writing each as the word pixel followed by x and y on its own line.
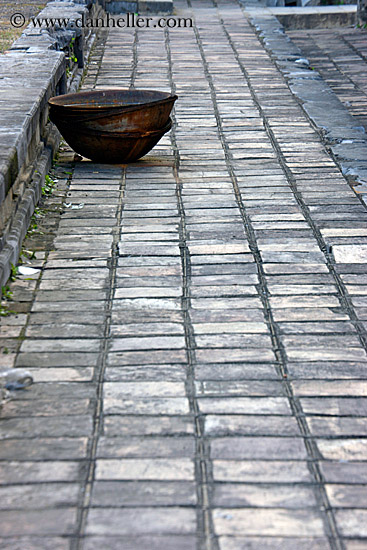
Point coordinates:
pixel 111 147
pixel 113 110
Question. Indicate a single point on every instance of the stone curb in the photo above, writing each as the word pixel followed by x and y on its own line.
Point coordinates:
pixel 311 17
pixel 139 6
pixel 346 141
pixel 28 142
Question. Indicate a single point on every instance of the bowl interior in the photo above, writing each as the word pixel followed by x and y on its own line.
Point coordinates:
pixel 102 99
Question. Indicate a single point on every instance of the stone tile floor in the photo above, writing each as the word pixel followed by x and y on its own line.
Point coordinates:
pixel 198 349
pixel 340 56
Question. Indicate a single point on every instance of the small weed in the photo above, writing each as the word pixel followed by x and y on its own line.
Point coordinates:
pixel 6 293
pixel 14 272
pixel 49 185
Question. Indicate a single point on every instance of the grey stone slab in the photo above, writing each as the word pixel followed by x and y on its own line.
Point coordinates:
pixel 324 426
pixel 123 390
pixel 46 522
pixel 87 345
pixel 272 471
pixel 34 543
pixel 309 327
pixel 157 447
pixel 250 388
pixel 45 408
pixel 67 426
pixel 328 370
pixel 343 449
pixel 249 425
pixel 253 448
pixel 235 371
pixel 120 359
pixel 51 448
pixel 147 329
pixel 259 341
pixel 346 496
pixel 352 523
pixel 268 522
pixel 335 406
pixel 48 495
pixel 224 355
pixel 148 343
pixel 130 425
pixel 251 495
pixel 86 305
pixel 245 315
pixel 244 405
pixel 56 359
pixel 160 469
pixel 146 372
pixel 40 472
pixel 154 542
pixel 273 543
pixel 71 295
pixel 148 405
pixel 329 388
pixel 64 330
pixel 336 472
pixel 56 390
pixel 147 493
pixel 125 521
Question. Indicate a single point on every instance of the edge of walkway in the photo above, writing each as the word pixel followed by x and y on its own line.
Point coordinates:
pixel 28 141
pixel 343 138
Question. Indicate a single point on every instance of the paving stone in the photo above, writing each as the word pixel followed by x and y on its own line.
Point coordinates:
pixel 140 447
pixel 335 406
pixel 247 448
pixel 245 405
pixel 45 408
pixel 34 543
pixel 352 522
pixel 334 426
pixel 43 522
pixel 57 426
pixel 154 542
pixel 146 493
pixel 252 388
pixel 235 371
pixel 169 373
pixel 346 496
pixel 273 543
pixel 328 370
pixel 172 469
pixel 343 449
pixel 48 495
pixel 275 522
pixel 45 472
pixel 43 448
pixel 251 495
pixel 222 425
pixel 129 425
pixel 149 343
pixel 127 521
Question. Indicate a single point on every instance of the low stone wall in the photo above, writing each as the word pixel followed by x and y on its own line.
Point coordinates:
pixel 36 68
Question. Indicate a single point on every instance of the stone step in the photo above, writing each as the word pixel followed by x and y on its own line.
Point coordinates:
pixel 140 6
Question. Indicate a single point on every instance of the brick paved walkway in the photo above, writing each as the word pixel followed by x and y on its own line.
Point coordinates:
pixel 340 56
pixel 199 351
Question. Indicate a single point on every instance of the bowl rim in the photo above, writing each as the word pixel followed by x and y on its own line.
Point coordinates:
pixel 56 101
